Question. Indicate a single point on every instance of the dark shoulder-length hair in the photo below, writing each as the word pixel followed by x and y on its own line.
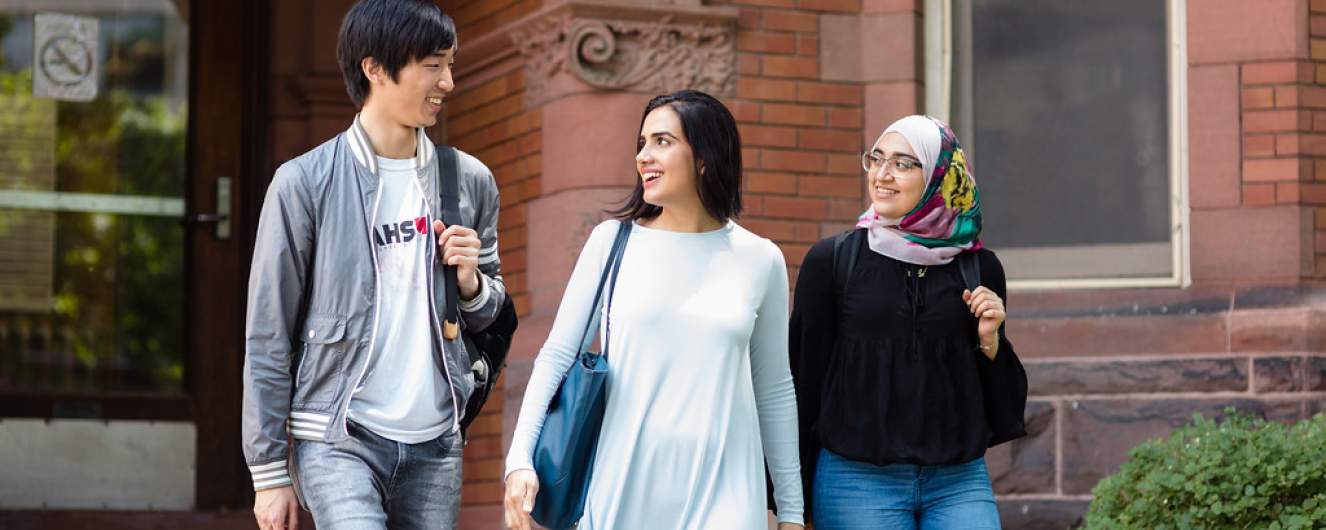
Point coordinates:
pixel 716 147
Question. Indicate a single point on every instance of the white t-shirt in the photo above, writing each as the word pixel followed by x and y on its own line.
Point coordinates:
pixel 404 396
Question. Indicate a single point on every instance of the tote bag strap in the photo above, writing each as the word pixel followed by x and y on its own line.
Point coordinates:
pixel 612 287
pixel 609 271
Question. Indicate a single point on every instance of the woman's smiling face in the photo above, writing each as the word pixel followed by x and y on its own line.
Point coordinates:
pixel 665 162
pixel 895 179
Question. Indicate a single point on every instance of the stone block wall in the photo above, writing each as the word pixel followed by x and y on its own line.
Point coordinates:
pixel 1108 370
pixel 1084 416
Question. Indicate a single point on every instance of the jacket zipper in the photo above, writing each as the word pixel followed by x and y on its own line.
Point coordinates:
pixel 432 311
pixel 372 338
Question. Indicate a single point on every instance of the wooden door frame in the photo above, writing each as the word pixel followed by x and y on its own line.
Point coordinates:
pixel 228 75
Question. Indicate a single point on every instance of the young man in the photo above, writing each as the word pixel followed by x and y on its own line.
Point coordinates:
pixel 346 351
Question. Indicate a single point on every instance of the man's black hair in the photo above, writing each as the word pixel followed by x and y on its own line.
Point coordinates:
pixel 716 147
pixel 393 33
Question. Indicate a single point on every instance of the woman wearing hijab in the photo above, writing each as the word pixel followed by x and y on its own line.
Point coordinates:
pixel 903 375
pixel 699 390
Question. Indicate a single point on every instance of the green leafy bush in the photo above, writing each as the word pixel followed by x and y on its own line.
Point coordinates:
pixel 1242 472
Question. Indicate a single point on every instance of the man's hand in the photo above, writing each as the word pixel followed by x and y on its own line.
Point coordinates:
pixel 790 526
pixel 459 246
pixel 277 509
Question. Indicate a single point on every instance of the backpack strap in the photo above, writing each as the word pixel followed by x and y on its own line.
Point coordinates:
pixel 846 248
pixel 969 265
pixel 448 178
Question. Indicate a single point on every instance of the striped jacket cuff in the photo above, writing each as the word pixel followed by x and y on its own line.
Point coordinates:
pixel 470 306
pixel 308 425
pixel 270 475
pixel 488 254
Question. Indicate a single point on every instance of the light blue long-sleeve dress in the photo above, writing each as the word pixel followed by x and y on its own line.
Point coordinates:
pixel 699 391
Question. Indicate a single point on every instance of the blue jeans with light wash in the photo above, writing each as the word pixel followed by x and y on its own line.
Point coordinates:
pixel 368 482
pixel 860 495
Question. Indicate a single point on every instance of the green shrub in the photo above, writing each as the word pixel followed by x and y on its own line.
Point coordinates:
pixel 1242 472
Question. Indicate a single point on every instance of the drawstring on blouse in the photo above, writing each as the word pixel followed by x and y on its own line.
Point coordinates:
pixel 915 299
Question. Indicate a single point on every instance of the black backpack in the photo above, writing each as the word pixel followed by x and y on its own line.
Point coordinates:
pixel 488 348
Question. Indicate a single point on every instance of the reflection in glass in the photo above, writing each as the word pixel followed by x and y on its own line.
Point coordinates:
pixel 1064 105
pixel 92 301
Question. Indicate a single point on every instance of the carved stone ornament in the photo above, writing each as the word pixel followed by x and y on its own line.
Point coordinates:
pixel 643 56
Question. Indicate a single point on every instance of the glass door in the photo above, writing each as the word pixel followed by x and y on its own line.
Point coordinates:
pixel 94 105
pixel 128 132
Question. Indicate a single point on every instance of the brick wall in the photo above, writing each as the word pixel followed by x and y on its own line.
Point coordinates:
pixel 1283 146
pixel 489 121
pixel 1254 183
pixel 1284 136
pixel 486 117
pixel 1313 97
pixel 801 134
pixel 477 18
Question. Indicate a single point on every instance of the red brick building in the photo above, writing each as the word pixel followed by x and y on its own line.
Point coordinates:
pixel 1153 173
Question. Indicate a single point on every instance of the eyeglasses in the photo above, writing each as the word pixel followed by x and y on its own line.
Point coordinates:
pixel 897 165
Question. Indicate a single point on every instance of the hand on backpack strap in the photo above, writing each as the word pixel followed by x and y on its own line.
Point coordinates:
pixel 459 246
pixel 988 308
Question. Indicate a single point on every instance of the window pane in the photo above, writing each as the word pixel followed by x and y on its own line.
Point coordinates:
pixel 1069 126
pixel 91 193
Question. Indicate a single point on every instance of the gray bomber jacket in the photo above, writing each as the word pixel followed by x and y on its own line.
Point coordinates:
pixel 313 290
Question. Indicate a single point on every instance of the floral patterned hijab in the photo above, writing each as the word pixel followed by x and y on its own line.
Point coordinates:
pixel 947 220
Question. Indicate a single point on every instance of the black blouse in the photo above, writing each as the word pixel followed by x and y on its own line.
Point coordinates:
pixel 892 372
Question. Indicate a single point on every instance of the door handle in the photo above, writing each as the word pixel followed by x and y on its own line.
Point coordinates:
pixel 208 218
pixel 222 215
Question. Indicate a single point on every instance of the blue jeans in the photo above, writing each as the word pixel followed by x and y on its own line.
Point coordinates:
pixel 860 495
pixel 371 483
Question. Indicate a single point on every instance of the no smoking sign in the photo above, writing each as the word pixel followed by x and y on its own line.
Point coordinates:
pixel 64 57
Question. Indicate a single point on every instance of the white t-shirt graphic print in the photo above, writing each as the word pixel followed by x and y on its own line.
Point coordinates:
pixel 404 396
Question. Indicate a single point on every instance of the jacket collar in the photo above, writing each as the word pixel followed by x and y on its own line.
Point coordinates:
pixel 364 154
